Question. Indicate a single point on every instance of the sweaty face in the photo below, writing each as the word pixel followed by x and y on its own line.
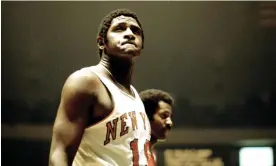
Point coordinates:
pixel 124 37
pixel 162 122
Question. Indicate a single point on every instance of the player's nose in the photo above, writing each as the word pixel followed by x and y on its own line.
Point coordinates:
pixel 169 122
pixel 129 34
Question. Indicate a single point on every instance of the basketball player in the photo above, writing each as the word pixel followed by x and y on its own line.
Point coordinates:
pixel 101 119
pixel 158 105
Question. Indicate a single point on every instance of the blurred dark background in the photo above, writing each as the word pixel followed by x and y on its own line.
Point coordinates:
pixel 216 58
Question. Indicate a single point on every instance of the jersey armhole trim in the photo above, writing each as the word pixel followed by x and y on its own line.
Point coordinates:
pixel 112 101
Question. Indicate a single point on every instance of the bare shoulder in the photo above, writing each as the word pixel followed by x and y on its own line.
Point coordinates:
pixel 80 91
pixel 84 92
pixel 82 81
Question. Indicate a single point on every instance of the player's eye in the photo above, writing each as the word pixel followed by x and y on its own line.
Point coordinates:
pixel 165 116
pixel 120 27
pixel 136 30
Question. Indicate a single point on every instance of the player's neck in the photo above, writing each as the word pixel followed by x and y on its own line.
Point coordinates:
pixel 120 70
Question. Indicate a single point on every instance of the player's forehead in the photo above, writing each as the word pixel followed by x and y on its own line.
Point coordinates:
pixel 124 19
pixel 164 107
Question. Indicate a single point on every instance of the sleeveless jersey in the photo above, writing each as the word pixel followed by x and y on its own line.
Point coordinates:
pixel 122 138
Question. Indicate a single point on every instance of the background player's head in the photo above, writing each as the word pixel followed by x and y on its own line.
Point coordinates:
pixel 158 105
pixel 120 34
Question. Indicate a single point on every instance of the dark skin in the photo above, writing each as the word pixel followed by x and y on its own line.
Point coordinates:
pixel 126 49
pixel 83 94
pixel 161 123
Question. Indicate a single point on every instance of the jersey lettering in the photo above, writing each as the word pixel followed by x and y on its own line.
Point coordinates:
pixel 143 115
pixel 133 120
pixel 111 126
pixel 124 128
pixel 135 153
pixel 111 131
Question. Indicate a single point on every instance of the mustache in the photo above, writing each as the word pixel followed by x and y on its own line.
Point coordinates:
pixel 169 127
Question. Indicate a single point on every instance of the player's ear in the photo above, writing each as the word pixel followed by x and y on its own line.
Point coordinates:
pixel 100 42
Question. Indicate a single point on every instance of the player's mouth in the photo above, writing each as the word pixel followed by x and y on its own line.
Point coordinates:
pixel 129 42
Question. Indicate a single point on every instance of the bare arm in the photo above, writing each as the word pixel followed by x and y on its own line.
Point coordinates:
pixel 71 119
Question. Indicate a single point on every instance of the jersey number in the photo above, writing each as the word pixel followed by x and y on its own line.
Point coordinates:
pixel 135 153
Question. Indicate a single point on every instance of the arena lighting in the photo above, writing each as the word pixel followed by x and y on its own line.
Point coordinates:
pixel 256 156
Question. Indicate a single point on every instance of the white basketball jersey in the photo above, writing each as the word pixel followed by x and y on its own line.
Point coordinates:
pixel 122 138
